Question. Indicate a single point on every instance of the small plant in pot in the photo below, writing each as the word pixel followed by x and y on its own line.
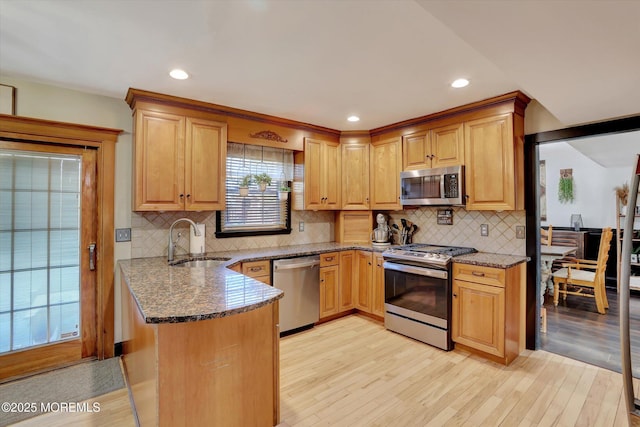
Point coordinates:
pixel 244 185
pixel 263 180
pixel 283 192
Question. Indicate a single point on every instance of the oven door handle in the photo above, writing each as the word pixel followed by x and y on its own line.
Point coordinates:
pixel 439 274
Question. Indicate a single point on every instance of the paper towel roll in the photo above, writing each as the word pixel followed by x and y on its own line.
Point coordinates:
pixel 196 243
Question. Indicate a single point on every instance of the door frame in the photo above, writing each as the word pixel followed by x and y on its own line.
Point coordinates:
pixel 28 129
pixel 532 206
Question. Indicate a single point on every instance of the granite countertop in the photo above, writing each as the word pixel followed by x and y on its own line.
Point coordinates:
pixel 166 294
pixel 491 260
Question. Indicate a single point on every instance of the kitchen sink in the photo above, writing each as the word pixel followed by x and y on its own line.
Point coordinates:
pixel 212 262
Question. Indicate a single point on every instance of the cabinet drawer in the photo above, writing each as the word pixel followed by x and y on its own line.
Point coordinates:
pixel 330 258
pixel 479 274
pixel 256 268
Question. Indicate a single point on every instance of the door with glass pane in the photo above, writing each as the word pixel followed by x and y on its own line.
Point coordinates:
pixel 47 274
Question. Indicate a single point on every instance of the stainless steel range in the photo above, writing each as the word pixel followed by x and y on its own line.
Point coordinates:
pixel 417 282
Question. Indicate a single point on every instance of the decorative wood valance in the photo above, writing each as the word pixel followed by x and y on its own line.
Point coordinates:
pixel 268 135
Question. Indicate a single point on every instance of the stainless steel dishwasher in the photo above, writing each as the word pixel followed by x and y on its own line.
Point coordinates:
pixel 299 278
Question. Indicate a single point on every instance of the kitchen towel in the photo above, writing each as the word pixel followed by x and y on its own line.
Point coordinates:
pixel 196 243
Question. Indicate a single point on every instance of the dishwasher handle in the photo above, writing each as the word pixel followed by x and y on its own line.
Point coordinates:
pixel 293 266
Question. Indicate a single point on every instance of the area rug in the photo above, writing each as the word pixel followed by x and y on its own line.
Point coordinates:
pixel 51 391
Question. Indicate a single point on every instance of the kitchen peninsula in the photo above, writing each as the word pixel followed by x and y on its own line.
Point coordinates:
pixel 201 345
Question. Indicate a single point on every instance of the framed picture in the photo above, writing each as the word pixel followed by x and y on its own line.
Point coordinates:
pixel 7 99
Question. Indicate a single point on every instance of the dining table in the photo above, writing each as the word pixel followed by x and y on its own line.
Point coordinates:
pixel 548 254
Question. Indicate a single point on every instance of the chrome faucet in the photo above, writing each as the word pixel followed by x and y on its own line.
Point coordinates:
pixel 171 245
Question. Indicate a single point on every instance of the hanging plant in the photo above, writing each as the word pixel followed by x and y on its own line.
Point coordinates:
pixel 263 180
pixel 565 186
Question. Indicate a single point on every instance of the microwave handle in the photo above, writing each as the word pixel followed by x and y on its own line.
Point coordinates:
pixel 442 193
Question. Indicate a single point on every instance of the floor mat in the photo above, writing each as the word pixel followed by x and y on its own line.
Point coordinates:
pixel 32 396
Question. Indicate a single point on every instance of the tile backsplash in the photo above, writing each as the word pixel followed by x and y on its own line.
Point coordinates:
pixel 465 230
pixel 150 231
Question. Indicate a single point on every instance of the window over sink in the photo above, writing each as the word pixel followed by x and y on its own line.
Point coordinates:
pixel 258 185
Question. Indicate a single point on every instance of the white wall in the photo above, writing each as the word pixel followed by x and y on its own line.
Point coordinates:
pixel 594 197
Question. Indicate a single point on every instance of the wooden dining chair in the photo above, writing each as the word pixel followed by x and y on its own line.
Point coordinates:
pixel 585 277
pixel 545 235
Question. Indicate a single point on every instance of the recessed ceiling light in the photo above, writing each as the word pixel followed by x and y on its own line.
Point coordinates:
pixel 460 83
pixel 353 118
pixel 179 74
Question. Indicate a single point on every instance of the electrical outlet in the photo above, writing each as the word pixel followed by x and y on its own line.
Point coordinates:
pixel 301 226
pixel 123 234
pixel 484 229
pixel 520 231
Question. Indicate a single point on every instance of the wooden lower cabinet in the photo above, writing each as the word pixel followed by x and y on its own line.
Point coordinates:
pixel 259 270
pixel 377 288
pixel 347 281
pixel 216 372
pixel 488 310
pixel 329 290
pixel 364 262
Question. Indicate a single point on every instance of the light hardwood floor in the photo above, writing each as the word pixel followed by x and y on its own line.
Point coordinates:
pixel 353 372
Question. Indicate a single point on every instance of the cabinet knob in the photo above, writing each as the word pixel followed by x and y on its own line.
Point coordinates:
pixel 369 263
pixel 181 196
pixel 455 295
pixel 188 196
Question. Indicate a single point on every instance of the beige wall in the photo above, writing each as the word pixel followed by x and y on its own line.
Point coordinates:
pixel 149 230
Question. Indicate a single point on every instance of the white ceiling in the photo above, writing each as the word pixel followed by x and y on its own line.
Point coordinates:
pixel 318 61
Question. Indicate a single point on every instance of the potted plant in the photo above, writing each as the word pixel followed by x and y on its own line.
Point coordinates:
pixel 244 185
pixel 283 193
pixel 263 180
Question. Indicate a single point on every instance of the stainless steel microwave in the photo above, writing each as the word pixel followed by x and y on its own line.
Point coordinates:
pixel 433 187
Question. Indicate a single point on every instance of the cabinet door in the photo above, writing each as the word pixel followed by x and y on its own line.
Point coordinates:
pixel 478 316
pixel 489 163
pixel 364 281
pixel 205 165
pixel 447 146
pixel 328 291
pixel 347 273
pixel 386 164
pixel 377 306
pixel 313 174
pixel 331 175
pixel 355 176
pixel 158 161
pixel 415 151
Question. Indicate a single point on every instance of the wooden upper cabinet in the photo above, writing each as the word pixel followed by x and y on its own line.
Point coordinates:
pixel 355 176
pixel 205 161
pixel 179 162
pixel 493 164
pixel 158 161
pixel 321 174
pixel 438 147
pixel 447 146
pixel 386 165
pixel 415 151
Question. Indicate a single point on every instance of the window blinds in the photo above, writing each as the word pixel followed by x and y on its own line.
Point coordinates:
pixel 259 210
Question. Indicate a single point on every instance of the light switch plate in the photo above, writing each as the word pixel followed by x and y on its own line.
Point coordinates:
pixel 520 231
pixel 301 226
pixel 484 229
pixel 123 234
